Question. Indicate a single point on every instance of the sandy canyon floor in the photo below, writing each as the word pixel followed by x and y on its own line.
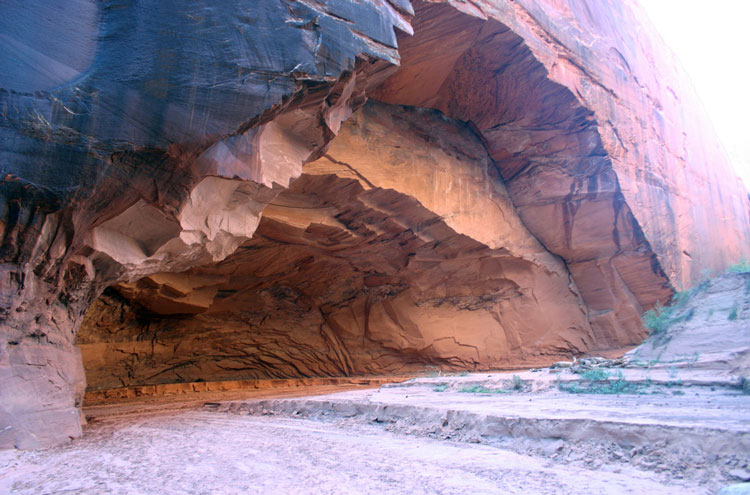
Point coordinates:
pixel 464 434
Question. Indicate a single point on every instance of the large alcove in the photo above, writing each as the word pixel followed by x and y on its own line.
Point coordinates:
pixel 399 248
pixel 341 189
pixel 467 217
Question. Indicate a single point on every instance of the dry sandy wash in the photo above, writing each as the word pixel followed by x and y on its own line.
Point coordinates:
pixel 201 453
pixel 419 437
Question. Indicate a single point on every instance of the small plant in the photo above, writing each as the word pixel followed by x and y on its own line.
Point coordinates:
pixel 595 375
pixel 604 386
pixel 516 383
pixel 479 389
pixel 744 385
pixel 432 371
pixel 733 313
pixel 440 388
pixel 681 297
pixel 674 383
pixel 658 319
pixel 710 313
pixel 742 266
pixel 689 315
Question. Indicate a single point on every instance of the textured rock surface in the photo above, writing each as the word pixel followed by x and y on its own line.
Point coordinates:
pixel 150 139
pixel 398 249
pixel 546 139
pixel 669 165
pixel 148 150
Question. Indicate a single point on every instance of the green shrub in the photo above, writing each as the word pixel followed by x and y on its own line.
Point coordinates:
pixel 744 385
pixel 479 389
pixel 516 383
pixel 595 375
pixel 598 385
pixel 733 313
pixel 681 297
pixel 658 319
pixel 440 388
pixel 743 266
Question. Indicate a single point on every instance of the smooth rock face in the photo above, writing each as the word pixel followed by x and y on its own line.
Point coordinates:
pixel 156 147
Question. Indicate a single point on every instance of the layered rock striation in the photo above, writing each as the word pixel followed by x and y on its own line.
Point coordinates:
pixel 157 151
pixel 398 249
pixel 526 180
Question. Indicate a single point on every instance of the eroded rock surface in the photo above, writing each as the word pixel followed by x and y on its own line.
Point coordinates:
pixel 398 249
pixel 157 148
pixel 547 145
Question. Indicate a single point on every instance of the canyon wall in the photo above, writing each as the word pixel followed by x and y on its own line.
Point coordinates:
pixel 144 138
pixel 531 177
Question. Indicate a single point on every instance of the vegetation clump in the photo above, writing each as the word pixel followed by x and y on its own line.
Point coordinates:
pixel 595 375
pixel 733 313
pixel 480 389
pixel 516 385
pixel 660 318
pixel 743 266
pixel 744 385
pixel 599 381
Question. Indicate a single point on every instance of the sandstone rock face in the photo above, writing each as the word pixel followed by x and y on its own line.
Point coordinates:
pixel 670 169
pixel 547 145
pixel 150 149
pixel 399 249
pixel 536 175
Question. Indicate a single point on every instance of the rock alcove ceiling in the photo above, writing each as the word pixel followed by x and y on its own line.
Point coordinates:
pixel 413 252
pixel 344 188
pixel 397 249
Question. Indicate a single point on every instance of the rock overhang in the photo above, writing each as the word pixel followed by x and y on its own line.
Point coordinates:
pixel 591 154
